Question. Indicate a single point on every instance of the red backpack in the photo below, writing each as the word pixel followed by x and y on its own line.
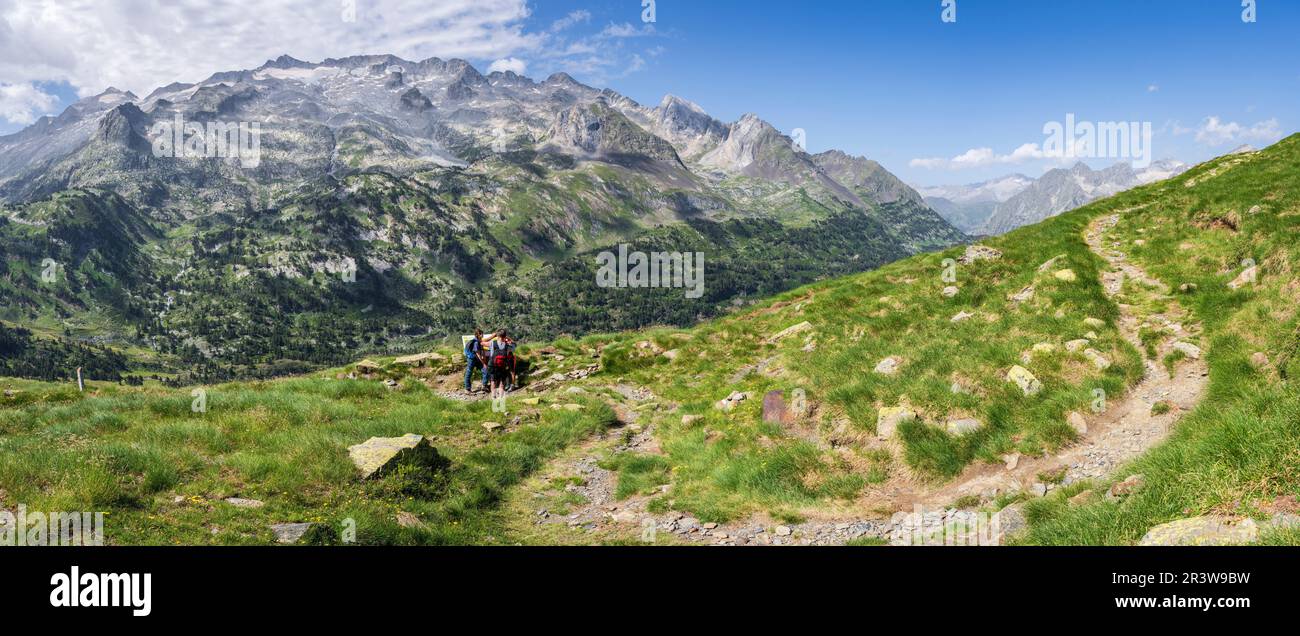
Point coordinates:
pixel 500 354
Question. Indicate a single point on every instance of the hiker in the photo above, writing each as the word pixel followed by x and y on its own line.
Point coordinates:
pixel 511 363
pixel 499 359
pixel 475 357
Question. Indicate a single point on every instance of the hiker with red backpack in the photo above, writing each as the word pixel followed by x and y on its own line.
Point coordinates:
pixel 511 364
pixel 499 357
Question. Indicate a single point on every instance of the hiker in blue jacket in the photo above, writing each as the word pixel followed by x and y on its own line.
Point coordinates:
pixel 475 358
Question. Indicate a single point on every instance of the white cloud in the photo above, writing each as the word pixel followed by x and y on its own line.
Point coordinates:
pixel 600 57
pixel 1175 128
pixel 23 103
pixel 974 157
pixel 1216 132
pixel 626 30
pixel 1154 88
pixel 933 163
pixel 581 16
pixel 512 64
pixel 140 45
pixel 982 157
pixel 637 64
pixel 143 44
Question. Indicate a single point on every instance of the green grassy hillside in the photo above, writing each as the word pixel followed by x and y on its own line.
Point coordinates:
pixel 163 470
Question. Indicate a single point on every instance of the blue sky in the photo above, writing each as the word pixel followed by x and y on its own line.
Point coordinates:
pixel 887 79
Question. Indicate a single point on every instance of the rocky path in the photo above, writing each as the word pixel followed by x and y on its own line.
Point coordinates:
pixel 1119 433
pixel 1126 428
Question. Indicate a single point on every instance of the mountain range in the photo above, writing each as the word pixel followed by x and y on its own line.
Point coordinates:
pixel 1004 204
pixel 392 202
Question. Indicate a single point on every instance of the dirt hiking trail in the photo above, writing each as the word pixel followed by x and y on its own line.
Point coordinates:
pixel 1124 430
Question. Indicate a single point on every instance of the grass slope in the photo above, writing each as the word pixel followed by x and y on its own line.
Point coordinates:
pixel 135 451
pixel 162 471
pixel 1240 450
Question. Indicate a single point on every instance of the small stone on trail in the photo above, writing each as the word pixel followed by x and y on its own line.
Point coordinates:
pixel 1010 521
pixel 1078 423
pixel 1190 350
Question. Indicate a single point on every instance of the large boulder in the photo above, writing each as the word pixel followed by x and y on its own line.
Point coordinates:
pixel 1202 531
pixel 1022 378
pixel 379 456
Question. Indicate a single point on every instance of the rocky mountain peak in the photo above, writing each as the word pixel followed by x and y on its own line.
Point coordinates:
pixel 562 79
pixel 286 62
pixel 595 129
pixel 865 177
pixel 125 125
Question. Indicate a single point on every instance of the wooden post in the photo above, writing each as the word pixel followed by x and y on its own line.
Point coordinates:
pixel 81 386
